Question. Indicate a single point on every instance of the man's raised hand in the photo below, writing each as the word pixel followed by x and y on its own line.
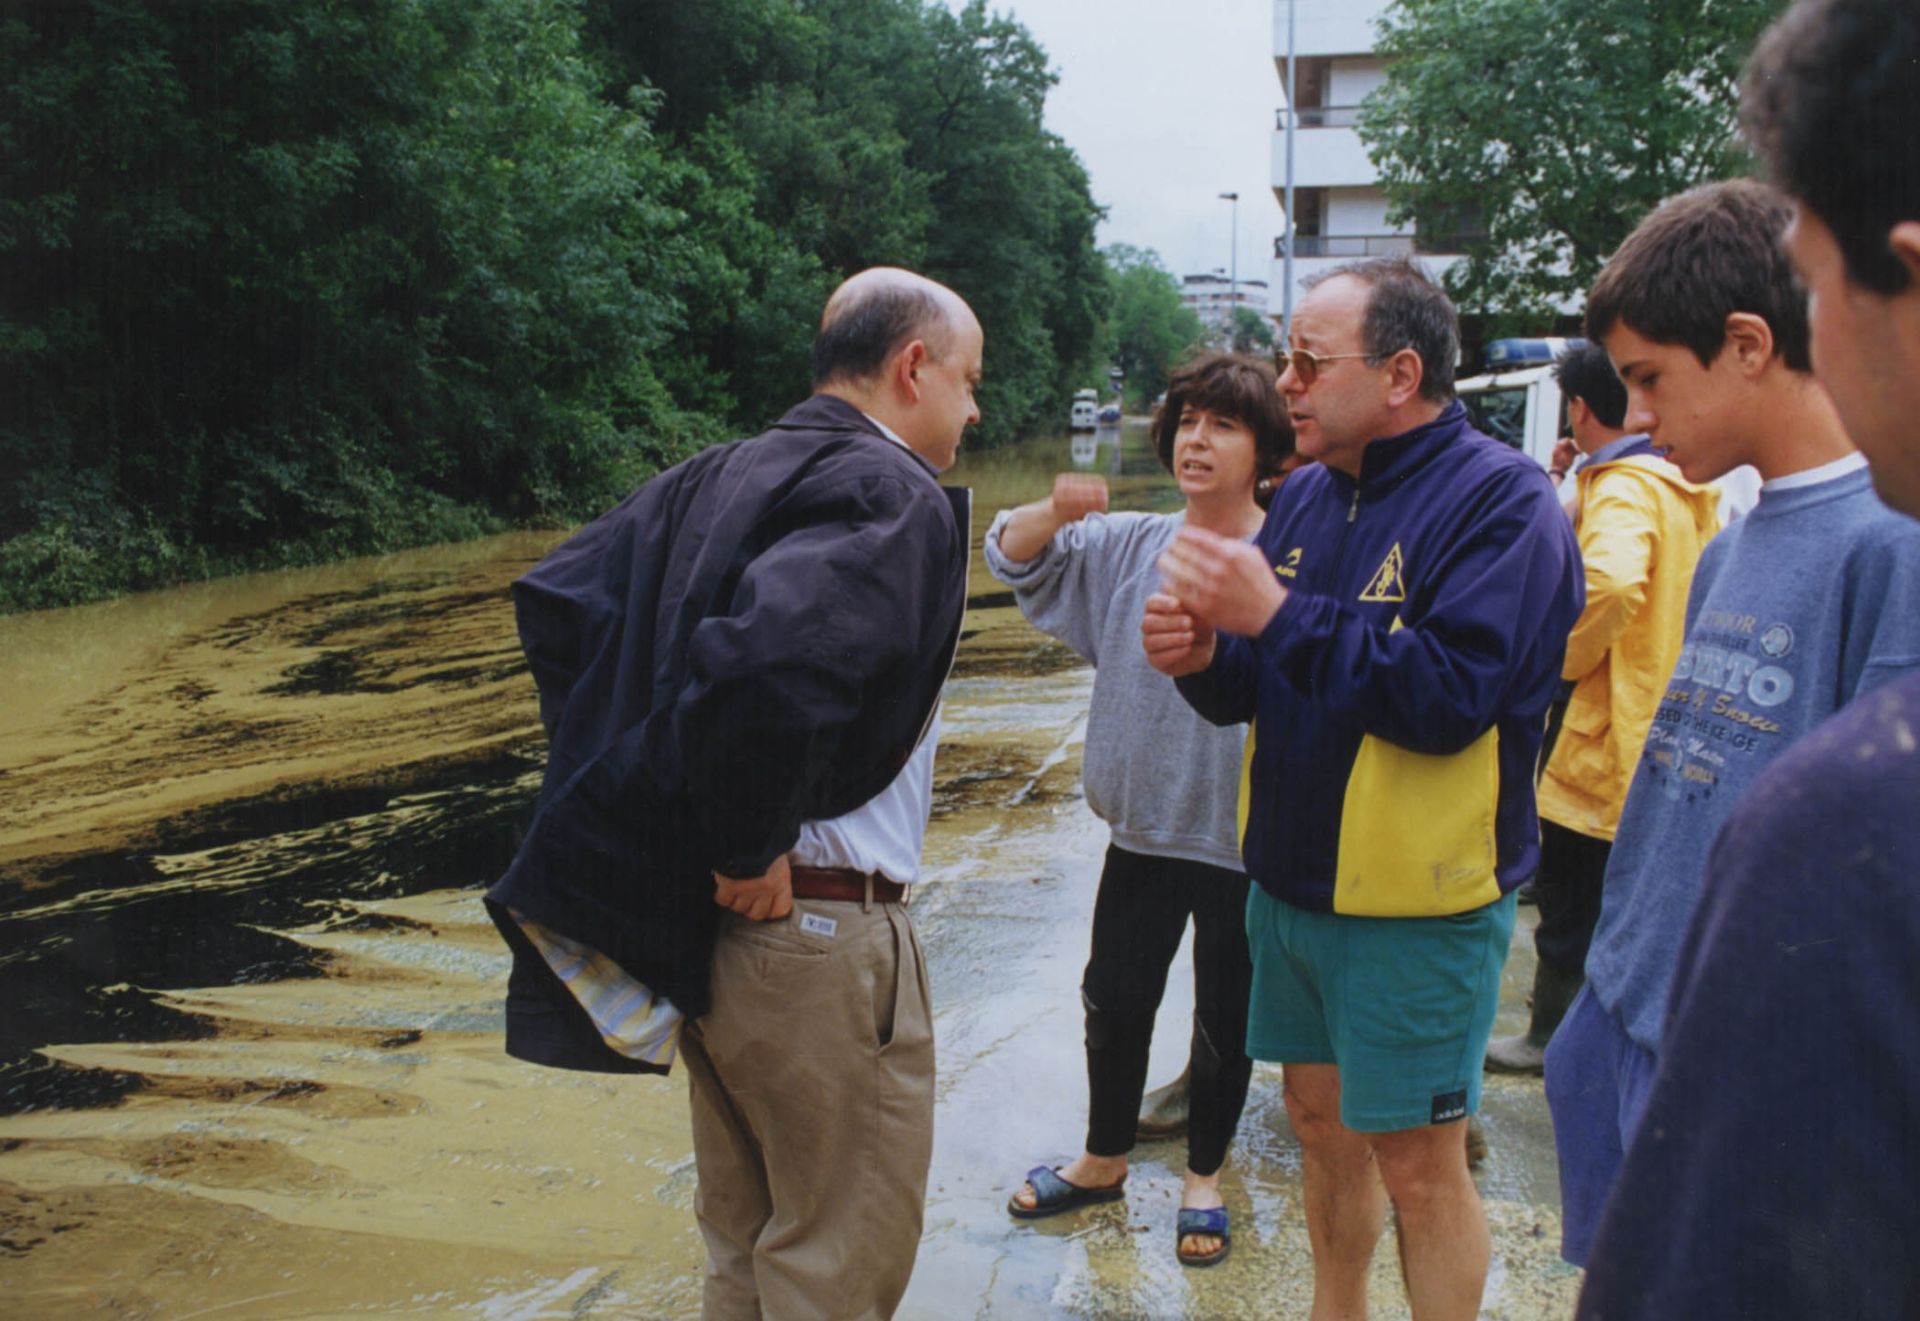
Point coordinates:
pixel 1221 582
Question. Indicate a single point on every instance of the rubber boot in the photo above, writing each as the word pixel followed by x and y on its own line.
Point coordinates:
pixel 1163 1112
pixel 1553 990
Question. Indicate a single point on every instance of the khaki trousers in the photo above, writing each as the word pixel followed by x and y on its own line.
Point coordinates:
pixel 812 1088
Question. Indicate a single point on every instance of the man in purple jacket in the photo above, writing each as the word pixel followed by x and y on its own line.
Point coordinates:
pixel 1395 632
pixel 739 670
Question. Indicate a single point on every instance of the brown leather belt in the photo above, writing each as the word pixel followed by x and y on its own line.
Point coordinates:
pixel 844 883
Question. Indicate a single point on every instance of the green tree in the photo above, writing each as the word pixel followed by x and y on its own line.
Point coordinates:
pixel 280 283
pixel 298 282
pixel 1540 131
pixel 1014 227
pixel 830 135
pixel 1252 333
pixel 1151 328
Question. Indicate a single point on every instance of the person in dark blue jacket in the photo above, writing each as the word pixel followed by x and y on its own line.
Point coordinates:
pixel 1771 1177
pixel 739 671
pixel 1395 633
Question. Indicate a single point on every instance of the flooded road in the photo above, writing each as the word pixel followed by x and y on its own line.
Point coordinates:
pixel 253 1063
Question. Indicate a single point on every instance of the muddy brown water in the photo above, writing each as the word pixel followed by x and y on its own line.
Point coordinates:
pixel 251 1066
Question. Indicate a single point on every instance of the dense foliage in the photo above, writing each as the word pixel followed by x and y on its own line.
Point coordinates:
pixel 1152 330
pixel 1548 128
pixel 1252 333
pixel 283 282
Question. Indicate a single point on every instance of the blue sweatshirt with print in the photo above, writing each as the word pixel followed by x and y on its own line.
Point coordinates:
pixel 1809 600
pixel 1400 693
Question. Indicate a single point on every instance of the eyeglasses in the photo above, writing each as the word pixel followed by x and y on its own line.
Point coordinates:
pixel 1306 365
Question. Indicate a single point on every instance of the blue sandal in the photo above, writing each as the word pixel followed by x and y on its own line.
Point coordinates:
pixel 1053 1194
pixel 1210 1220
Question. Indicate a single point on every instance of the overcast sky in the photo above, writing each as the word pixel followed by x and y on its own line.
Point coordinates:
pixel 1168 105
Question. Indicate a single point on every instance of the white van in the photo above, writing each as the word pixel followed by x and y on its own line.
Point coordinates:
pixel 1517 400
pixel 1086 410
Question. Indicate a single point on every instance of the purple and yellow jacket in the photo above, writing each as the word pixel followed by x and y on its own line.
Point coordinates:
pixel 1400 694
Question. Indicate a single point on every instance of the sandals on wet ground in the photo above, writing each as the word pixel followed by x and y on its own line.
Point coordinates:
pixel 1053 1194
pixel 1207 1220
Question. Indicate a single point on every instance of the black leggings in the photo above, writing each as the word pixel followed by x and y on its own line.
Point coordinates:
pixel 1138 920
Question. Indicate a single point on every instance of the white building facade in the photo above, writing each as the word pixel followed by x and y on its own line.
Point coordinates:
pixel 1340 212
pixel 1212 296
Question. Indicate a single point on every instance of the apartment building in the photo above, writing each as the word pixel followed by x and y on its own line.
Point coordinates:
pixel 1340 211
pixel 1211 297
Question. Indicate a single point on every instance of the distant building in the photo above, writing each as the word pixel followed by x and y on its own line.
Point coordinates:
pixel 1212 296
pixel 1341 212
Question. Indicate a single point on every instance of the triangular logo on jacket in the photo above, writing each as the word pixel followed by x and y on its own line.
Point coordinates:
pixel 1386 584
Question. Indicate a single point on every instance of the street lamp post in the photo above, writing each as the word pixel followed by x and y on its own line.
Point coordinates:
pixel 1233 280
pixel 1293 113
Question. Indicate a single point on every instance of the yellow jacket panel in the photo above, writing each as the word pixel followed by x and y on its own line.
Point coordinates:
pixel 1641 526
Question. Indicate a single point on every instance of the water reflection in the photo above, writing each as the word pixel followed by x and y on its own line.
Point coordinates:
pixel 189 773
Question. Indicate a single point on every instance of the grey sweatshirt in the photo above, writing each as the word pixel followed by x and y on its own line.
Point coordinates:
pixel 1165 780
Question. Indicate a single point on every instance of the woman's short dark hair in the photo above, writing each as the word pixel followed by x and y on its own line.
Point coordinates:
pixel 1697 259
pixel 1586 373
pixel 1406 309
pixel 1832 102
pixel 1235 385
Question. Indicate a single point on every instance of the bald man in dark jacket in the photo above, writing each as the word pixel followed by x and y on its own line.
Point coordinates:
pixel 739 670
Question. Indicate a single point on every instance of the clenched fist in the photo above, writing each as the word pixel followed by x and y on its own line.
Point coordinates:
pixel 1028 529
pixel 1176 642
pixel 1077 494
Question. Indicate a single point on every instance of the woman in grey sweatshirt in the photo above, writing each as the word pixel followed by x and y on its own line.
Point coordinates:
pixel 1163 779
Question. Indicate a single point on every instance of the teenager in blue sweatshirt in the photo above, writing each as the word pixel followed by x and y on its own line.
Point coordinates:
pixel 1797 607
pixel 1395 632
pixel 1772 1176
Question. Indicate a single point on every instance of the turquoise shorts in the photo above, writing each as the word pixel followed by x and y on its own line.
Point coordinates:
pixel 1403 1005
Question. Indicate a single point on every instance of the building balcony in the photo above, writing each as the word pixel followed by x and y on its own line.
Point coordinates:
pixel 1348 246
pixel 1325 27
pixel 1319 116
pixel 1323 158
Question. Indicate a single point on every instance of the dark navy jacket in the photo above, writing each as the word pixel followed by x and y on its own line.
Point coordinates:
pixel 1400 693
pixel 754 639
pixel 1772 1175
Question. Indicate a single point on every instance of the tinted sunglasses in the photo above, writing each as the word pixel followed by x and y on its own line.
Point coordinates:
pixel 1306 364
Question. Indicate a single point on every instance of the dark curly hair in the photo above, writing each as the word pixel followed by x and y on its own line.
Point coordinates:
pixel 1235 385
